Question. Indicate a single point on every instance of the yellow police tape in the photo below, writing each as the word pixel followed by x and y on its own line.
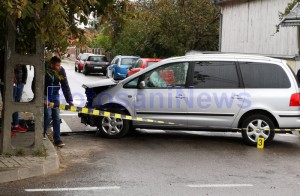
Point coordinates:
pixel 96 112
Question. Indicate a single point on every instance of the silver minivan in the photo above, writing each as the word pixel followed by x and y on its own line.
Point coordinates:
pixel 210 92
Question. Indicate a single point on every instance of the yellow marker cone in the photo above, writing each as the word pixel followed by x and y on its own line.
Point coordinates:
pixel 261 143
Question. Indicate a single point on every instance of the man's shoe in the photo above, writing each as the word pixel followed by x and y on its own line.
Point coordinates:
pixel 59 144
pixel 18 128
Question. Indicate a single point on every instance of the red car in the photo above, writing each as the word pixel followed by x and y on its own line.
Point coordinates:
pixel 141 64
pixel 80 61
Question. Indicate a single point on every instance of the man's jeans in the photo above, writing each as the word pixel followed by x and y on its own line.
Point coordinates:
pixel 17 93
pixel 52 114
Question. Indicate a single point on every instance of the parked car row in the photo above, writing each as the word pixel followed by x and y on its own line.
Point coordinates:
pixel 119 68
pixel 91 63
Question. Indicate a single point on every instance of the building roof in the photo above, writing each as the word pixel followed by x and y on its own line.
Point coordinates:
pixel 293 18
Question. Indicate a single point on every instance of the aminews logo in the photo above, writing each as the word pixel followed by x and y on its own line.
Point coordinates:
pixel 178 98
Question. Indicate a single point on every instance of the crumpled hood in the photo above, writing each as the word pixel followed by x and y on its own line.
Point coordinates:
pixel 104 82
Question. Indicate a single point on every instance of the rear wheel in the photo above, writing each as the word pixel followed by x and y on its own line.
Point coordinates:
pixel 256 126
pixel 111 127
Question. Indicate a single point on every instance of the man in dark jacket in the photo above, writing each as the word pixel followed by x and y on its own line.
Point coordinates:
pixel 54 79
pixel 20 79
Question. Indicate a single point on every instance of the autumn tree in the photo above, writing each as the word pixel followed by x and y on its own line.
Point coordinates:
pixel 54 22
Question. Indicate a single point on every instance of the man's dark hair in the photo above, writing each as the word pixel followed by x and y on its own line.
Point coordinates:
pixel 54 60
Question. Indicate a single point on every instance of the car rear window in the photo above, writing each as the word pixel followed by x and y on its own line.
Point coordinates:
pixel 98 58
pixel 264 75
pixel 84 57
pixel 128 61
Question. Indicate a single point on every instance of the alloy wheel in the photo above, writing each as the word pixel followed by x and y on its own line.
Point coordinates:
pixel 258 128
pixel 112 126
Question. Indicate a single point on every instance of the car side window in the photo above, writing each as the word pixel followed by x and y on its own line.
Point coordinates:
pixel 167 76
pixel 138 64
pixel 264 75
pixel 132 84
pixel 214 75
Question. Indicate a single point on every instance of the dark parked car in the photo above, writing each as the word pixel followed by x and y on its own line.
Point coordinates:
pixel 95 64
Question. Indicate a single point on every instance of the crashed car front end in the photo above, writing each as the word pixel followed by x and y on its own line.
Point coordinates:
pixel 91 91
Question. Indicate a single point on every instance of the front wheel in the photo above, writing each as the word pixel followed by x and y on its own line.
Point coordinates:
pixel 111 127
pixel 257 126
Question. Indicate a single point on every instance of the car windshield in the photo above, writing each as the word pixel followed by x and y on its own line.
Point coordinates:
pixel 150 63
pixel 98 58
pixel 128 61
pixel 84 57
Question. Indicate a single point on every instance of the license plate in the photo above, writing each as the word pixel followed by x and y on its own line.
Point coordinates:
pixel 97 67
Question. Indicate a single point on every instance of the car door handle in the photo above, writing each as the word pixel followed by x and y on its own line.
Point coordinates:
pixel 236 97
pixel 180 97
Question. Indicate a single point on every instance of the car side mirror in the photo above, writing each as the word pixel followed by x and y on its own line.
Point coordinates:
pixel 142 85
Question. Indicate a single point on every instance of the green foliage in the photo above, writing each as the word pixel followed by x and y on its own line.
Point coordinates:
pixel 101 41
pixel 40 153
pixel 164 28
pixel 54 21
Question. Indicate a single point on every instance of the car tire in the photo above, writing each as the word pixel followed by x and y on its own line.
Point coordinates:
pixel 84 71
pixel 113 76
pixel 252 129
pixel 113 128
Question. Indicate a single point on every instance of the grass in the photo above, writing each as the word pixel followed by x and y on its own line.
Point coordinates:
pixel 40 153
pixel 20 152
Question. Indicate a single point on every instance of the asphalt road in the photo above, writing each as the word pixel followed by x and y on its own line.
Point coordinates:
pixel 169 163
pixel 165 163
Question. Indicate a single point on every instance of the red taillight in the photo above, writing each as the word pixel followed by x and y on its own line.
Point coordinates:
pixel 295 99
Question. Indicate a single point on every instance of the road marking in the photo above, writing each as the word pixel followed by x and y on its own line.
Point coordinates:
pixel 64 127
pixel 218 185
pixel 73 114
pixel 287 135
pixel 73 189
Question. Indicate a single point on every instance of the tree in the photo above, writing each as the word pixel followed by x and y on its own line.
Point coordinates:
pixel 54 22
pixel 162 28
pixel 287 10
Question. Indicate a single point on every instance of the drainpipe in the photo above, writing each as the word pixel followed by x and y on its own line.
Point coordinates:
pixel 214 2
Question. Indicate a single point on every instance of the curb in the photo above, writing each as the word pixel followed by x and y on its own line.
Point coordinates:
pixel 50 164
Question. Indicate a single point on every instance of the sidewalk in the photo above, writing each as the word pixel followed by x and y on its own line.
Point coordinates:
pixel 25 166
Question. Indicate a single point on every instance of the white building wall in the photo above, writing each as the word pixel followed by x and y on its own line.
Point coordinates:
pixel 249 27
